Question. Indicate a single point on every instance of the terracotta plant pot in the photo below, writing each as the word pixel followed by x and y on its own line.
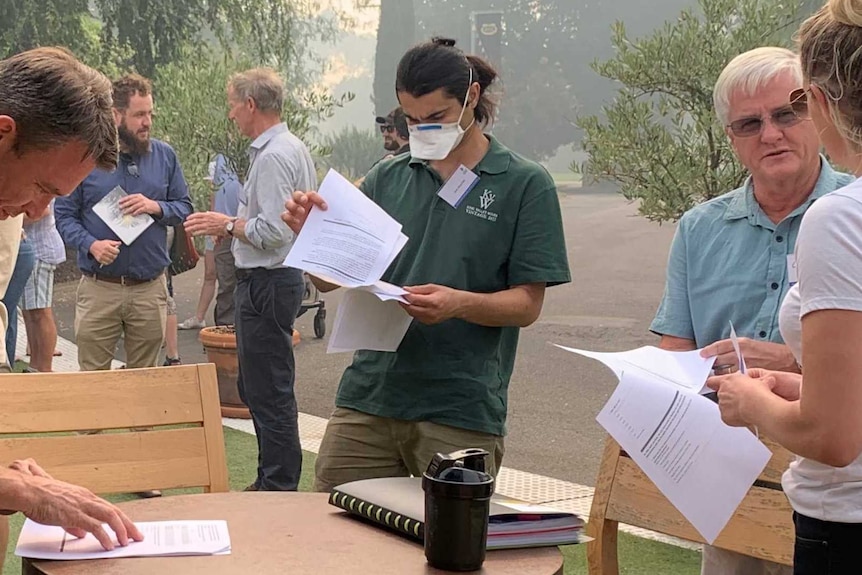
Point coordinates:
pixel 220 345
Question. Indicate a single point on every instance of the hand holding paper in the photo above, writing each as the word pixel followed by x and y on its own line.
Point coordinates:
pixel 677 437
pixel 126 226
pixel 350 242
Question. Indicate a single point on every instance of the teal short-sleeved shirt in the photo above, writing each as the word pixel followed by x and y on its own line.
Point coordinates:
pixel 507 231
pixel 728 262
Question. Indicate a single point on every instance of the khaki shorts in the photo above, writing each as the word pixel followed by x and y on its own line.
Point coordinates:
pixel 358 446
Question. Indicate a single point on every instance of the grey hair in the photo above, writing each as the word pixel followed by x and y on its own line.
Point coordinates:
pixel 751 71
pixel 263 85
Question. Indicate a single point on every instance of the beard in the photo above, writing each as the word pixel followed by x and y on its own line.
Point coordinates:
pixel 390 144
pixel 135 144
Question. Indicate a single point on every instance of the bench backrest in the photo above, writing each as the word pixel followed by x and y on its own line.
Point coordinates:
pixel 761 527
pixel 184 448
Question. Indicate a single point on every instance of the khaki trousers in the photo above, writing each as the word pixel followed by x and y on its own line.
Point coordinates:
pixel 105 311
pixel 358 446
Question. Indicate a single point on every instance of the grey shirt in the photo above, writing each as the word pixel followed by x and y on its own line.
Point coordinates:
pixel 280 165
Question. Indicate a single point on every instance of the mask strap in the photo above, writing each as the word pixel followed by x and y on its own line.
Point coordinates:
pixel 466 96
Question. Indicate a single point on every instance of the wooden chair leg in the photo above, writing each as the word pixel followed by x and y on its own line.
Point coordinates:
pixel 602 550
pixel 4 539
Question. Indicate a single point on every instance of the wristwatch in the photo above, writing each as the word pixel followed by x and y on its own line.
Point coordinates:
pixel 229 227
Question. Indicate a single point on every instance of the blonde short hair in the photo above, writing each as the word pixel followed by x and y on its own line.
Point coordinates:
pixel 830 46
pixel 751 71
pixel 263 85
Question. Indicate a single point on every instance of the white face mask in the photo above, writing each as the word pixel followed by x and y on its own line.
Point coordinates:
pixel 436 141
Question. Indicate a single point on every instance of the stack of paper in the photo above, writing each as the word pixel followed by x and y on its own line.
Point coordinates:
pixel 677 437
pixel 161 539
pixel 351 244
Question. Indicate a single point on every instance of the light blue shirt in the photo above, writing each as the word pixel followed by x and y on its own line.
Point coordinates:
pixel 728 262
pixel 280 165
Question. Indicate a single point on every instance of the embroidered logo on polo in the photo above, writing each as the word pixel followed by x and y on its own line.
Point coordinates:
pixel 486 199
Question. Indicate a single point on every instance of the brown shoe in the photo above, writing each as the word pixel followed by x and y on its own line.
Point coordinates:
pixel 252 487
pixel 149 494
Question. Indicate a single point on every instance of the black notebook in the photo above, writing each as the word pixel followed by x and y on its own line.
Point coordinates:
pixel 398 503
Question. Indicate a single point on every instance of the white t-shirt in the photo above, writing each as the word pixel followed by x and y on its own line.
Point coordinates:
pixel 829 264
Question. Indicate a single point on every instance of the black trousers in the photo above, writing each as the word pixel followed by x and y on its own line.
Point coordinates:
pixel 826 547
pixel 267 302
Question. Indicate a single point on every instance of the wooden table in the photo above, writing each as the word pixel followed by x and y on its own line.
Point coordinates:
pixel 288 533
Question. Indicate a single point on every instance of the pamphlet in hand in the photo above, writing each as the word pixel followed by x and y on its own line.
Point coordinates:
pixel 127 228
pixel 351 244
pixel 161 539
pixel 676 436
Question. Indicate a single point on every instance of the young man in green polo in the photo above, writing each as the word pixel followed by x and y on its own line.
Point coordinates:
pixel 476 267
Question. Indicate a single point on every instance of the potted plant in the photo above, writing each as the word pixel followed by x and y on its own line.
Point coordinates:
pixel 220 344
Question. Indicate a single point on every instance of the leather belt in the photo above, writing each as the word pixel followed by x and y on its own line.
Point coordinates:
pixel 121 280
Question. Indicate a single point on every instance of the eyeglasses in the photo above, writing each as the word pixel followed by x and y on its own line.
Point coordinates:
pixel 385 128
pixel 782 118
pixel 799 103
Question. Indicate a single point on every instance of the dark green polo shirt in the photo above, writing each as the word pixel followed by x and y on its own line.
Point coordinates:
pixel 507 231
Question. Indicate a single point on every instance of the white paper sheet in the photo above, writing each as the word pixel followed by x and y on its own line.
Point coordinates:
pixel 685 369
pixel 161 538
pixel 364 321
pixel 677 438
pixel 127 228
pixel 386 291
pixel 735 341
pixel 352 242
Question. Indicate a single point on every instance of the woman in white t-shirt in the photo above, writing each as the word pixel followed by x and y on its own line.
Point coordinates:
pixel 821 319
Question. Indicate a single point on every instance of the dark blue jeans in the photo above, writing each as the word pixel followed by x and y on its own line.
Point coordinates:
pixel 826 547
pixel 267 302
pixel 23 268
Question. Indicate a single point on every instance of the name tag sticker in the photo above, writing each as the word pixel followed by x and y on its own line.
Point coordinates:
pixel 458 186
pixel 792 276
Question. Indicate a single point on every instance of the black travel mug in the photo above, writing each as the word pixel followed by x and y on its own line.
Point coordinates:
pixel 457 500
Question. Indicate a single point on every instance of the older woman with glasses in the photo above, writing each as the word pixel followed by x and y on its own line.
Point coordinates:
pixel 821 318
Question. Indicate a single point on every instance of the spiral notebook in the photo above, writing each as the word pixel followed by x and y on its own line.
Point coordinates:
pixel 398 504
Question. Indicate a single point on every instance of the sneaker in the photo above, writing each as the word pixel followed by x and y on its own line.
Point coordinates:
pixel 149 493
pixel 253 487
pixel 192 323
pixel 172 361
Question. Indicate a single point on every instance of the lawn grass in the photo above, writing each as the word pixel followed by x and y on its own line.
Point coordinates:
pixel 637 556
pixel 566 177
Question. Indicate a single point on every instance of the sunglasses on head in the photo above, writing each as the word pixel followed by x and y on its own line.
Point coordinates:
pixel 799 103
pixel 385 128
pixel 782 118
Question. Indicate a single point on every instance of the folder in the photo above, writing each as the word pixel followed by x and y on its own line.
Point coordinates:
pixel 398 504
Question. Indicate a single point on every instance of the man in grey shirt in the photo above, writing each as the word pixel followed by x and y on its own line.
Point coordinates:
pixel 268 294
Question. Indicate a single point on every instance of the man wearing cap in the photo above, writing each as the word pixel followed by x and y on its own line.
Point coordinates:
pixel 396 138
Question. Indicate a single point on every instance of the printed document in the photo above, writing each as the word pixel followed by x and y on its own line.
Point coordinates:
pixel 352 242
pixel 365 320
pixel 127 228
pixel 161 539
pixel 677 438
pixel 685 369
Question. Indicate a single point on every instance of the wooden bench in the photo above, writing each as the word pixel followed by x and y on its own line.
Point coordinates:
pixel 761 527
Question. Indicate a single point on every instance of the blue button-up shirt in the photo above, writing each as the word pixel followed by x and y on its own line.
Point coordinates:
pixel 728 262
pixel 228 188
pixel 160 178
